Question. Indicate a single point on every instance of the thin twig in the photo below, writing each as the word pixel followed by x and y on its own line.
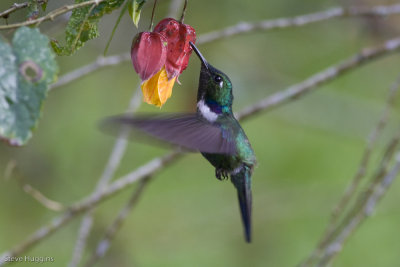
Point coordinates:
pixel 112 230
pixel 52 15
pixel 272 24
pixel 99 63
pixel 16 6
pixel 11 169
pixel 42 199
pixel 183 12
pixel 297 90
pixel 152 16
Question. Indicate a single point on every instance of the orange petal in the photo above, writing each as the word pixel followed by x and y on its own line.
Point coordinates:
pixel 158 88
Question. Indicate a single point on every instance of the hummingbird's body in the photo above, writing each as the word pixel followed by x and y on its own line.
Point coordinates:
pixel 213 131
pixel 214 103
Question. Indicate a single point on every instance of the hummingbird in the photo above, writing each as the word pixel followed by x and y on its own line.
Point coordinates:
pixel 213 131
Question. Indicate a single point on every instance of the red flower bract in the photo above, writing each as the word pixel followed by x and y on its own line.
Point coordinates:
pixel 149 53
pixel 178 36
pixel 159 57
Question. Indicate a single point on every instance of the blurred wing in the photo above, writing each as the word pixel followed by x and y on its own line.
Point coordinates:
pixel 186 130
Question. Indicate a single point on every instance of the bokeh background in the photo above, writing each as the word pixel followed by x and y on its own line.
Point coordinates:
pixel 308 150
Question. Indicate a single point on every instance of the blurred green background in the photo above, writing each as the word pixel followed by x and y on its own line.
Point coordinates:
pixel 308 150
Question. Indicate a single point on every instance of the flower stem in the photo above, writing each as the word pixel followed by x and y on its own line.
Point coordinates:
pixel 152 16
pixel 183 12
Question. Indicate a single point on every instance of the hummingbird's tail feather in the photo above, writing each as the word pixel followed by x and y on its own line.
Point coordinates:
pixel 242 182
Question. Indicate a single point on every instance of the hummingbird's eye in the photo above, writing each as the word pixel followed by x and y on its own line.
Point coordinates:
pixel 218 79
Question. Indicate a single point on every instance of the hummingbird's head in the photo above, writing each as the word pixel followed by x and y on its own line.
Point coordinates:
pixel 215 87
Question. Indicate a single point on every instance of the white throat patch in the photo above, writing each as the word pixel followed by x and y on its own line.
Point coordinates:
pixel 206 111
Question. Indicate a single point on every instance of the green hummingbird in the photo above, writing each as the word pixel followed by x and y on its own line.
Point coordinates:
pixel 213 131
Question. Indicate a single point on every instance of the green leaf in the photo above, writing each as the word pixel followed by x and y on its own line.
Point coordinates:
pixel 82 25
pixel 26 69
pixel 135 7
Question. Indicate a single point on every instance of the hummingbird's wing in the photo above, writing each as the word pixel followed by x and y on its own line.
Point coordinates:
pixel 187 130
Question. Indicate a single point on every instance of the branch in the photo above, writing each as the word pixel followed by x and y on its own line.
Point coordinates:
pixel 114 160
pixel 298 90
pixel 99 63
pixel 146 170
pixel 104 244
pixel 266 25
pixel 366 205
pixel 293 92
pixel 11 168
pixel 340 209
pixel 42 199
pixel 374 135
pixel 17 6
pixel 52 15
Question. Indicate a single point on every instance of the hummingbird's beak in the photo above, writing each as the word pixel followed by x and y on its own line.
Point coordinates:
pixel 202 59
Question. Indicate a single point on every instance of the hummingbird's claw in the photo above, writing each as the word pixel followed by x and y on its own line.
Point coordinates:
pixel 221 174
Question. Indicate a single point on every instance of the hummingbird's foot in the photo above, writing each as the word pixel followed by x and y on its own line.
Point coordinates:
pixel 221 174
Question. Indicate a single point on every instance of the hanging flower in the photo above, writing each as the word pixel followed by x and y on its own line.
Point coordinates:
pixel 148 53
pixel 178 37
pixel 159 57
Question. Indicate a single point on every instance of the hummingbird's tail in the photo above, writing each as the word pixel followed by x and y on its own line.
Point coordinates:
pixel 242 182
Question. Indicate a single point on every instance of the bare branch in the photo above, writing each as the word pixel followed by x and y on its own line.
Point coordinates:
pixel 42 199
pixel 11 169
pixel 105 243
pixel 99 63
pixel 273 24
pixel 52 15
pixel 298 90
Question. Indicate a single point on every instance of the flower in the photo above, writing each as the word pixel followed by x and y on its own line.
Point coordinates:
pixel 148 53
pixel 159 57
pixel 178 37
